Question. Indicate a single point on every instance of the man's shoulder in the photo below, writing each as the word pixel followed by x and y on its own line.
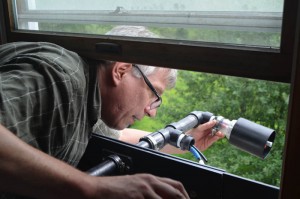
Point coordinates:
pixel 44 56
pixel 40 50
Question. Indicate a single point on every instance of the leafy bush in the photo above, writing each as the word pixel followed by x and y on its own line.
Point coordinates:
pixel 262 102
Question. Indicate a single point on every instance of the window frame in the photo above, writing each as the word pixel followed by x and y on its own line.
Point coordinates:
pixel 276 65
pixel 251 62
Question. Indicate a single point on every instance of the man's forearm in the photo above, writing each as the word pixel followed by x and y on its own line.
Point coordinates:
pixel 27 171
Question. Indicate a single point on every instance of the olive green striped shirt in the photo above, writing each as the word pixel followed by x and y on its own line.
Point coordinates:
pixel 48 97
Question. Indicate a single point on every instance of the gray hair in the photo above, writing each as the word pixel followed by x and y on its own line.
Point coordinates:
pixel 149 70
pixel 141 31
pixel 171 77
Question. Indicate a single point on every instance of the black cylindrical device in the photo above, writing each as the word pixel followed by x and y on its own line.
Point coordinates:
pixel 252 137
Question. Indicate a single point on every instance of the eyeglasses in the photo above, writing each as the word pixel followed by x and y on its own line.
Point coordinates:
pixel 158 101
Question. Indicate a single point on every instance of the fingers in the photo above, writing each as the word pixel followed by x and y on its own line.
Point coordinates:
pixel 159 187
pixel 219 134
pixel 203 135
pixel 207 127
pixel 213 138
pixel 178 187
pixel 163 187
pixel 139 186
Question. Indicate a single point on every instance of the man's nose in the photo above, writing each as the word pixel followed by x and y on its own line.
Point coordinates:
pixel 150 112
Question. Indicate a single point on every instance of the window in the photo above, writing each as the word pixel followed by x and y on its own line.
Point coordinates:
pixel 250 23
pixel 271 60
pixel 217 47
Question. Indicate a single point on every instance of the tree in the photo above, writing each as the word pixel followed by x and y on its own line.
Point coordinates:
pixel 262 102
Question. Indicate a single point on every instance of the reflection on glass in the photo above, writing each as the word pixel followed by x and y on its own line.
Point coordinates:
pixel 248 22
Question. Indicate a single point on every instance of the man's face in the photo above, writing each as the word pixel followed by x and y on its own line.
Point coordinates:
pixel 132 98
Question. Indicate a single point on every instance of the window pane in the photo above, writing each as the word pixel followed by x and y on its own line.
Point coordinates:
pixel 242 22
pixel 263 102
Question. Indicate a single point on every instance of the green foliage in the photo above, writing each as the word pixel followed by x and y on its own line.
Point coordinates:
pixel 262 102
pixel 149 124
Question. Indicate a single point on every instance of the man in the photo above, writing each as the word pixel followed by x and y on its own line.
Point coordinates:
pixel 168 77
pixel 50 99
pixel 130 135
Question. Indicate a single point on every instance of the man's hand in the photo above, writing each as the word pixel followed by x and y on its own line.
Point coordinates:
pixel 139 186
pixel 203 137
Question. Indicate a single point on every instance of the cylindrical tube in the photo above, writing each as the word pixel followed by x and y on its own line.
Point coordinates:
pixel 144 144
pixel 113 165
pixel 106 168
pixel 185 124
pixel 251 137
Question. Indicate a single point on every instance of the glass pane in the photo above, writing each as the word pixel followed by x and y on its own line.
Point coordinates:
pixel 263 102
pixel 242 22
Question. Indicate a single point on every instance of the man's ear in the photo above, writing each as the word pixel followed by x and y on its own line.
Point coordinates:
pixel 120 70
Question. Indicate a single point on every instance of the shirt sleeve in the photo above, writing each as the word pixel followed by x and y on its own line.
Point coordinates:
pixel 102 129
